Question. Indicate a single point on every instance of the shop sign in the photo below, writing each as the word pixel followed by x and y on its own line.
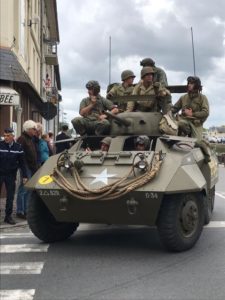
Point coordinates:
pixel 8 96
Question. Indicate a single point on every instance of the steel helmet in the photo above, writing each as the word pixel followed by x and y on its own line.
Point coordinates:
pixel 196 80
pixel 147 70
pixel 147 62
pixel 92 84
pixel 127 74
pixel 107 140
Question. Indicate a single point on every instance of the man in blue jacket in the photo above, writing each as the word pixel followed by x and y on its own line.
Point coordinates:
pixel 11 158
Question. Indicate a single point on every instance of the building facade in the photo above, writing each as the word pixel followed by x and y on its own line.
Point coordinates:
pixel 29 68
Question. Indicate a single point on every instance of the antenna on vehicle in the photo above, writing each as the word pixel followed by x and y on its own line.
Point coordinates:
pixel 193 50
pixel 109 59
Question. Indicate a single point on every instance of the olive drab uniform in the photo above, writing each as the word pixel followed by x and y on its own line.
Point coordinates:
pixel 90 123
pixel 161 101
pixel 118 91
pixel 193 126
pixel 160 76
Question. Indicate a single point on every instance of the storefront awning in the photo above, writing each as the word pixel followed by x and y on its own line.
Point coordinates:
pixel 8 96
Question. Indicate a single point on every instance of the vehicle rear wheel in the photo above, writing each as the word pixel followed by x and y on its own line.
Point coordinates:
pixel 180 221
pixel 209 205
pixel 43 224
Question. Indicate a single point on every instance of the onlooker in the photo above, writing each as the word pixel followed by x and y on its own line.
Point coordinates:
pixel 11 158
pixel 29 131
pixel 36 139
pixel 194 107
pixel 51 143
pixel 60 137
pixel 43 148
pixel 93 120
pixel 159 75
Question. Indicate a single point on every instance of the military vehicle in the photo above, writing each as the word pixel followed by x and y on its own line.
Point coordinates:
pixel 169 185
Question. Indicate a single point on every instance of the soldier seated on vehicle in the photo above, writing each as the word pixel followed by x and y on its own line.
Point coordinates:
pixel 159 75
pixel 142 143
pixel 122 89
pixel 194 108
pixel 160 99
pixel 93 120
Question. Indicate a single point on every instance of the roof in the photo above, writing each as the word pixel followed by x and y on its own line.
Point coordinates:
pixel 12 71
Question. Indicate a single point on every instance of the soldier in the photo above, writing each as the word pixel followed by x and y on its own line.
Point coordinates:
pixel 93 120
pixel 142 143
pixel 123 89
pixel 105 143
pixel 162 99
pixel 195 109
pixel 160 75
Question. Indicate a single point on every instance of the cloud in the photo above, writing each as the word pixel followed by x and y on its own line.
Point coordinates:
pixel 138 29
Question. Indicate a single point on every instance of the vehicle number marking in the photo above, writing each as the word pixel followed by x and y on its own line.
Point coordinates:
pixel 151 195
pixel 45 179
pixel 48 193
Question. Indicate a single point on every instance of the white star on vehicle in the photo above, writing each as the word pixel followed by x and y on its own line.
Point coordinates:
pixel 102 177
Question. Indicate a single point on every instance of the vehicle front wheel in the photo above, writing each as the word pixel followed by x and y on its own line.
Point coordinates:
pixel 43 224
pixel 181 220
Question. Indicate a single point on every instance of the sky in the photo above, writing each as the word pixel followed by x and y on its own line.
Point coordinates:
pixel 159 29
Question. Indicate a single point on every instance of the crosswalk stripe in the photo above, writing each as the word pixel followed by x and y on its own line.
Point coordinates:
pixel 220 195
pixel 16 235
pixel 17 294
pixel 21 268
pixel 216 224
pixel 23 248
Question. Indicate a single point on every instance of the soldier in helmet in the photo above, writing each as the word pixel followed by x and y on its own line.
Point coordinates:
pixel 160 100
pixel 142 143
pixel 159 75
pixel 105 143
pixel 194 108
pixel 93 120
pixel 123 89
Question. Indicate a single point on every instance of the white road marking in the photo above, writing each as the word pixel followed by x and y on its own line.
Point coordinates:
pixel 220 195
pixel 16 235
pixel 21 268
pixel 17 294
pixel 23 248
pixel 216 224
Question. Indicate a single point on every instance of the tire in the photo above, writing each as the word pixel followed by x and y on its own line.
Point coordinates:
pixel 43 224
pixel 180 221
pixel 209 205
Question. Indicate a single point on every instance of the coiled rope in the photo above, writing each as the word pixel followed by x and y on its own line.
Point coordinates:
pixel 111 191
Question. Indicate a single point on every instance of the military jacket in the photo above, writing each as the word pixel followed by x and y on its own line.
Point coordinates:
pixel 161 101
pixel 160 76
pixel 121 90
pixel 197 102
pixel 101 105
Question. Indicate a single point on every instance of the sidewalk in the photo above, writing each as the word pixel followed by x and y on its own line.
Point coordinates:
pixel 3 225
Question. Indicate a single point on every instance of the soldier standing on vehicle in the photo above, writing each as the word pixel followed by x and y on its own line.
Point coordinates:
pixel 93 120
pixel 160 100
pixel 195 109
pixel 159 75
pixel 123 89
